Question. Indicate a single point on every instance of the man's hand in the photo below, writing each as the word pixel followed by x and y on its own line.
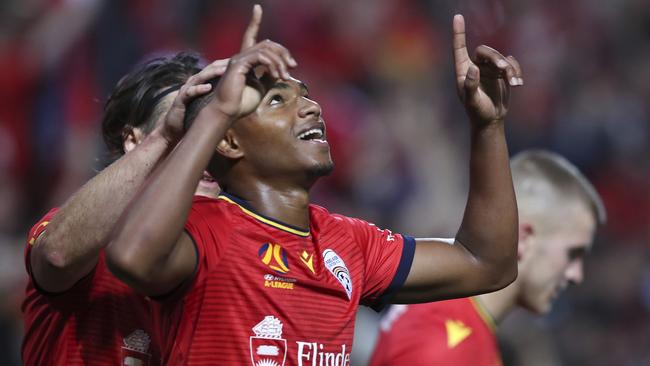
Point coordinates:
pixel 197 85
pixel 483 83
pixel 239 91
pixel 172 127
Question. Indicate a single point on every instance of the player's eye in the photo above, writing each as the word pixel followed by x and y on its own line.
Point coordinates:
pixel 276 99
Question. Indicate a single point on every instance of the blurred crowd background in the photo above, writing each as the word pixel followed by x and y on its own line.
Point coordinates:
pixel 382 71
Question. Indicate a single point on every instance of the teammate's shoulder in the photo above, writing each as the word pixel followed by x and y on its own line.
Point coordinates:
pixel 459 305
pixel 441 308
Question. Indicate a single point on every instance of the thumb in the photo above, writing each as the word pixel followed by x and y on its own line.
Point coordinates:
pixel 472 80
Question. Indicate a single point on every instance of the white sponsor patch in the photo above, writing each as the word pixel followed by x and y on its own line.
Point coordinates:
pixel 337 267
pixel 135 349
pixel 267 346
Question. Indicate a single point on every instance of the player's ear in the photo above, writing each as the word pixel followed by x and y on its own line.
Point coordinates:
pixel 131 137
pixel 526 234
pixel 229 146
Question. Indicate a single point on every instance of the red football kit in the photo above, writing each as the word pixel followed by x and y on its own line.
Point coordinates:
pixel 270 294
pixel 455 332
pixel 99 321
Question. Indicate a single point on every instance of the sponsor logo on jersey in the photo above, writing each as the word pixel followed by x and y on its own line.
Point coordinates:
pixel 283 283
pixel 135 348
pixel 308 260
pixel 337 267
pixel 314 354
pixel 275 257
pixel 267 346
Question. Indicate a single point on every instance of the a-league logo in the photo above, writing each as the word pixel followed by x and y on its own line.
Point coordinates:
pixel 274 256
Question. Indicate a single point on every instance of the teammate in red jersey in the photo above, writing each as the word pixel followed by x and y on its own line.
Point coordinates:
pixel 75 310
pixel 262 276
pixel 559 211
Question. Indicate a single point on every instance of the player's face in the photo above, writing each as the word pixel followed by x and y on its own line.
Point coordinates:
pixel 285 135
pixel 556 259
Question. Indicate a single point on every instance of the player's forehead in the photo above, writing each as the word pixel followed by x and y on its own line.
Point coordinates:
pixel 292 83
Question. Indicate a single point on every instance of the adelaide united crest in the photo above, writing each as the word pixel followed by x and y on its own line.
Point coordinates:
pixel 267 346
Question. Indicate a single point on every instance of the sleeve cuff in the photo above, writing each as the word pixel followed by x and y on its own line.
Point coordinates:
pixel 403 269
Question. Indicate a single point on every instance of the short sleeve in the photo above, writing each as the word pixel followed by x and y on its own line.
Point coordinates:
pixel 207 248
pixel 37 230
pixel 388 257
pixel 204 235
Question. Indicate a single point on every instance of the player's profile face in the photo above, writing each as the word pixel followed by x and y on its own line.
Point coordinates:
pixel 286 133
pixel 557 259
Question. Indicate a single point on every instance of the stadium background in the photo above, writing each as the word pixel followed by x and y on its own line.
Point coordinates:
pixel 382 71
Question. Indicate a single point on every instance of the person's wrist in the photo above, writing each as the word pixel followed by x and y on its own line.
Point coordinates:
pixel 479 125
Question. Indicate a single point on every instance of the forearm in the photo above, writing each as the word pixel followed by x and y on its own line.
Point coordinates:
pixel 69 247
pixel 148 231
pixel 489 227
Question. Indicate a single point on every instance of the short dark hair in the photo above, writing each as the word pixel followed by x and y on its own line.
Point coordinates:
pixel 197 104
pixel 136 96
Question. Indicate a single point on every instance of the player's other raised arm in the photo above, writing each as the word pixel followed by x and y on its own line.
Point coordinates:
pixel 483 256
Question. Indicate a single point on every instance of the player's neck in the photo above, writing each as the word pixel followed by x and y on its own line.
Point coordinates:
pixel 499 303
pixel 287 205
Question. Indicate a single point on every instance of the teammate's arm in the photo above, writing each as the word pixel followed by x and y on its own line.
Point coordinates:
pixel 150 251
pixel 482 257
pixel 68 249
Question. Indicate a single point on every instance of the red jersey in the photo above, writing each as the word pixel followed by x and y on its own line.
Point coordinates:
pixel 270 294
pixel 99 321
pixel 454 332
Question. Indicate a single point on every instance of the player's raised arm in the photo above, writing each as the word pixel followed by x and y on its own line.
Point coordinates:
pixel 483 256
pixel 150 251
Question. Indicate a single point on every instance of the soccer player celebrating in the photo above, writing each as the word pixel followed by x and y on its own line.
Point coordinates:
pixel 75 311
pixel 262 276
pixel 558 214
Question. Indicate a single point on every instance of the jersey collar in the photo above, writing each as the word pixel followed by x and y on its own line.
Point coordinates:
pixel 248 210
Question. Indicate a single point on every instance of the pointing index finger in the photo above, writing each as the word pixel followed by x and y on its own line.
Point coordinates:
pixel 250 36
pixel 461 57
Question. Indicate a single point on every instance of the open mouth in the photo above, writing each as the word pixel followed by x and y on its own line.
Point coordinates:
pixel 316 134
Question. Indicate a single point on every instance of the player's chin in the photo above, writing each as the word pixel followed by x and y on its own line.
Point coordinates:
pixel 321 169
